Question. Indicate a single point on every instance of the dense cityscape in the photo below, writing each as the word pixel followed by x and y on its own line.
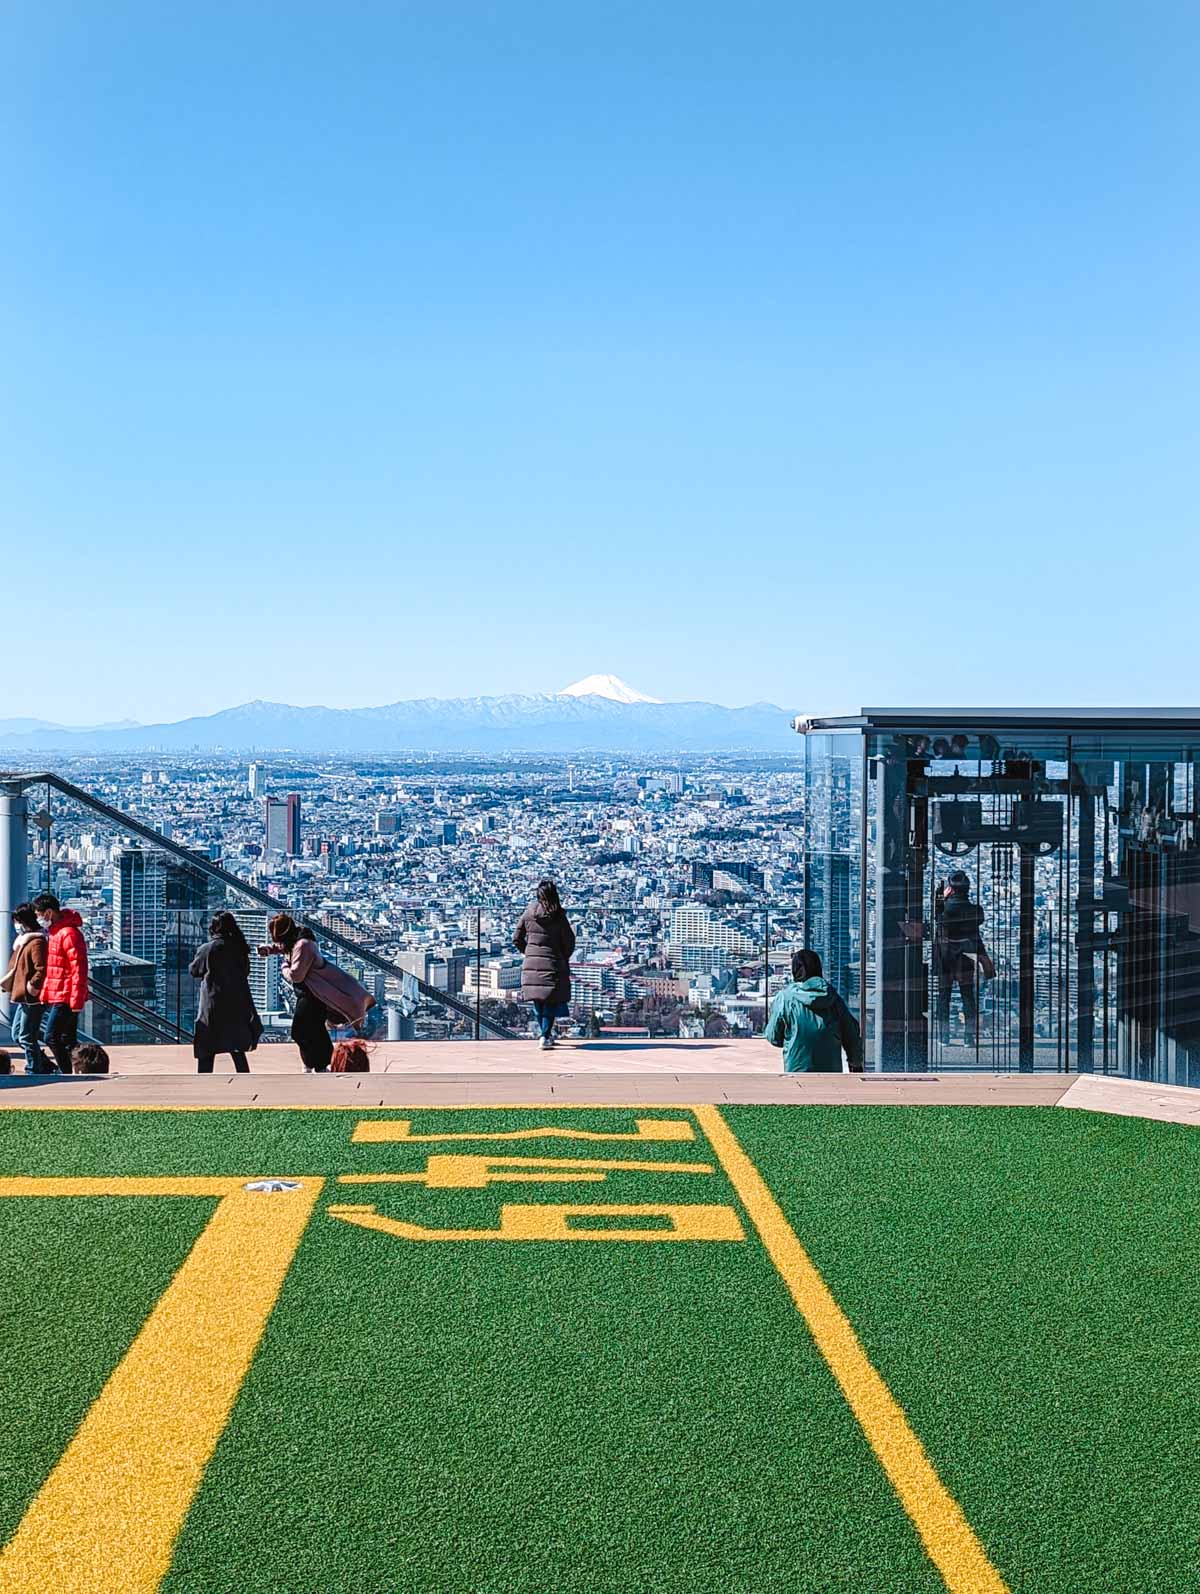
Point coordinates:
pixel 685 882
pixel 689 883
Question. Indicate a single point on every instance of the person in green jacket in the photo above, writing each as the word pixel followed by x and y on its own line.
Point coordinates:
pixel 811 1022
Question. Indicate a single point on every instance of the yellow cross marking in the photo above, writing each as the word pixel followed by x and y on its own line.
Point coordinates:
pixel 458 1172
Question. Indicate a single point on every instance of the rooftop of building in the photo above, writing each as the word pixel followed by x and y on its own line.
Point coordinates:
pixel 1049 719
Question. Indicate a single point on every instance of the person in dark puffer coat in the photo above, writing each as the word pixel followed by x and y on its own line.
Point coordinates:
pixel 545 937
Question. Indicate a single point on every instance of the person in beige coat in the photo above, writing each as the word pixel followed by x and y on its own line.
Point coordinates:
pixel 23 983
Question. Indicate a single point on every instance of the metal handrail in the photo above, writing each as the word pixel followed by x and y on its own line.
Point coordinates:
pixel 145 1017
pixel 214 871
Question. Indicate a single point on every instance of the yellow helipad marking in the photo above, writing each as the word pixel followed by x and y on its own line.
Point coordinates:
pixel 945 1532
pixel 106 1519
pixel 457 1172
pixel 385 1131
pixel 552 1222
pixel 108 1516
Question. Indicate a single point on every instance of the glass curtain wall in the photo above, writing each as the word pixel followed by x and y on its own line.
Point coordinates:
pixel 1032 901
pixel 833 789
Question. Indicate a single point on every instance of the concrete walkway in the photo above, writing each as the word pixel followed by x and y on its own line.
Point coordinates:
pixel 599 1073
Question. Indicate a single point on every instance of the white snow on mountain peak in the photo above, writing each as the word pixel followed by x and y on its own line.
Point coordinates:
pixel 609 686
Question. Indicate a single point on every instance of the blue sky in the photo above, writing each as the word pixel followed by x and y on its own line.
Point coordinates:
pixel 829 354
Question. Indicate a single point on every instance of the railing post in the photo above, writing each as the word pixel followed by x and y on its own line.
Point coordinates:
pixel 478 963
pixel 14 882
pixel 766 966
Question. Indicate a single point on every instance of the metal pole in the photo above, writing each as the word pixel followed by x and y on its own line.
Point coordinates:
pixel 863 908
pixel 766 965
pixel 14 884
pixel 1025 1039
pixel 478 963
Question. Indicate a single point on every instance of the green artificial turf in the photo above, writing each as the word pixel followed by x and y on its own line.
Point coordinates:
pixel 77 1279
pixel 1026 1281
pixel 489 1418
pixel 509 1418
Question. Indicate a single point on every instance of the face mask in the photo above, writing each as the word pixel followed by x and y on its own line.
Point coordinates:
pixel 43 921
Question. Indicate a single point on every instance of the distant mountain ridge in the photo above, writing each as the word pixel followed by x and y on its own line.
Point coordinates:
pixel 515 723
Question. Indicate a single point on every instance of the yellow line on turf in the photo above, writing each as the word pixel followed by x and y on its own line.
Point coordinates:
pixel 360 1108
pixel 945 1532
pixel 113 1185
pixel 107 1517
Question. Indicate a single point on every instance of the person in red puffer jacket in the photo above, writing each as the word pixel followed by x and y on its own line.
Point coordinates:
pixel 65 987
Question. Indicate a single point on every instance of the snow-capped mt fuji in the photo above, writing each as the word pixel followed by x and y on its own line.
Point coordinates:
pixel 610 686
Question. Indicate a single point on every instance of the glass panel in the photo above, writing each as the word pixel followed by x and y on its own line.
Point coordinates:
pixel 833 859
pixel 146 902
pixel 1139 906
pixel 968 895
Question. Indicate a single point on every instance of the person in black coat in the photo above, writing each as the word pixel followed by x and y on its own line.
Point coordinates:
pixel 227 1020
pixel 545 937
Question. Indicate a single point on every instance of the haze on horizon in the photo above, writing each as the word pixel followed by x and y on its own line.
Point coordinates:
pixel 814 355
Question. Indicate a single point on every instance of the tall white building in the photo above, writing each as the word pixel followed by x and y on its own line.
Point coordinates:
pixel 264 972
pixel 256 780
pixel 694 925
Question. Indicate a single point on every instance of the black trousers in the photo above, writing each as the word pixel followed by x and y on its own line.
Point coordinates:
pixel 309 1032
pixel 60 1033
pixel 957 969
pixel 205 1060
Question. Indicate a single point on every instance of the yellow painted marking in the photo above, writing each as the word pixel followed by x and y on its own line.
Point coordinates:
pixel 385 1131
pixel 112 1186
pixel 336 1106
pixel 458 1172
pixel 945 1532
pixel 546 1222
pixel 107 1518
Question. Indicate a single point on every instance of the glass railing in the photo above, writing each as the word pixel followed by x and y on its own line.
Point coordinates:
pixel 145 904
pixel 704 964
pixel 702 959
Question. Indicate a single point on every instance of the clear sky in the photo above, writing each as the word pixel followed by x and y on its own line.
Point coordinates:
pixel 824 353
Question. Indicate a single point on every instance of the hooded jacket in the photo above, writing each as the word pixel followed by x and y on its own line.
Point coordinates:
pixel 26 968
pixel 547 940
pixel 66 979
pixel 814 1026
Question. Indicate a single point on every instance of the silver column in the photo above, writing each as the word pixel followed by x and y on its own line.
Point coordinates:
pixel 14 884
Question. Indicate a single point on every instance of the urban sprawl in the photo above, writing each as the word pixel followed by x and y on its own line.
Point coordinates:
pixel 687 885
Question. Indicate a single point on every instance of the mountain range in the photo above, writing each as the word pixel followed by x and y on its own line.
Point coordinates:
pixel 599 714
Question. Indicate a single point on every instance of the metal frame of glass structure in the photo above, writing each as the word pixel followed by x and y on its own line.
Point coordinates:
pixel 1075 833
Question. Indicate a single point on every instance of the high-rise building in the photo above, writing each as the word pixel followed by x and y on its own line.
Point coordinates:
pixel 274 825
pixel 256 780
pixel 829 896
pixel 161 912
pixel 131 977
pixel 264 972
pixel 696 926
pixel 282 824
